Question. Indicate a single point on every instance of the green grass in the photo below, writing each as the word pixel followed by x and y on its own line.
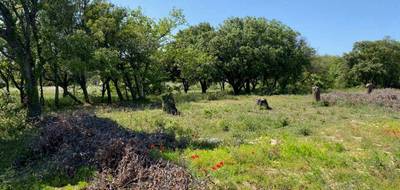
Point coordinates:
pixel 296 145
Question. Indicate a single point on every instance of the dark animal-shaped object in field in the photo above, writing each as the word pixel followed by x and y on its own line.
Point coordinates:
pixel 263 103
pixel 370 87
pixel 168 104
pixel 316 93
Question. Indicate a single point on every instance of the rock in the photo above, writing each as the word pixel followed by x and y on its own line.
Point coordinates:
pixel 168 104
pixel 370 87
pixel 316 93
pixel 263 103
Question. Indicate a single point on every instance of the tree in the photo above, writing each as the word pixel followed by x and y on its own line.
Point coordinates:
pixel 139 41
pixel 325 72
pixel 376 62
pixel 79 58
pixel 57 21
pixel 251 49
pixel 195 60
pixel 17 25
pixel 105 21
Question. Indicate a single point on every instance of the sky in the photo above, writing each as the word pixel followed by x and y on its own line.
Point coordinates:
pixel 329 26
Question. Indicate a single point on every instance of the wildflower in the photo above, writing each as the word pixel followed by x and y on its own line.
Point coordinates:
pixel 220 164
pixel 195 156
pixel 214 168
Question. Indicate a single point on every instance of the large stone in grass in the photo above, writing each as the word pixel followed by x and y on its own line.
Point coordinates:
pixel 263 103
pixel 168 104
pixel 370 87
pixel 316 93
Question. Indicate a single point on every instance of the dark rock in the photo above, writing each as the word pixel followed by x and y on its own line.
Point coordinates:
pixel 168 104
pixel 263 103
pixel 370 87
pixel 316 93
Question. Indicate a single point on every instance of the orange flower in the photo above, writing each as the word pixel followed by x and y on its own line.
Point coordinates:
pixel 219 164
pixel 214 168
pixel 195 156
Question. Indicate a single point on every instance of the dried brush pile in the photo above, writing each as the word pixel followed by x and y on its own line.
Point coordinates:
pixel 389 98
pixel 121 157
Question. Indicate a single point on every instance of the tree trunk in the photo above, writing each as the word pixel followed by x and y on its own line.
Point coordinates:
pixel 82 83
pixel 128 83
pixel 119 93
pixel 65 90
pixel 236 89
pixel 139 87
pixel 222 85
pixel 126 93
pixel 185 85
pixel 20 88
pixel 56 82
pixel 254 85
pixel 247 88
pixel 204 86
pixel 22 96
pixel 103 91
pixel 34 107
pixel 109 98
pixel 57 97
pixel 41 87
pixel 7 85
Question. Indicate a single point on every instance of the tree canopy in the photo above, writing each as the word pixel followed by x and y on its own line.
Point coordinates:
pixel 95 43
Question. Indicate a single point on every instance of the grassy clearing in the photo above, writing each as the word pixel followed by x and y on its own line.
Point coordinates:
pixel 297 145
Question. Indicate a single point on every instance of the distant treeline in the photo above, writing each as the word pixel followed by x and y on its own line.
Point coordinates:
pixel 66 42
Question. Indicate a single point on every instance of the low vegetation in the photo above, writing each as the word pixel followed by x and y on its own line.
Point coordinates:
pixel 224 142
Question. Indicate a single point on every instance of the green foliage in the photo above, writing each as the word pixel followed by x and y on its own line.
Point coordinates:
pixel 254 49
pixel 11 124
pixel 376 62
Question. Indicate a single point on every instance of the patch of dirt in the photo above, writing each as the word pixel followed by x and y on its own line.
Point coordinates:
pixel 389 98
pixel 121 157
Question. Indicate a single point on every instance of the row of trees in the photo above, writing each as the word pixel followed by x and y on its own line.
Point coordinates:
pixel 376 62
pixel 244 52
pixel 71 41
pixel 74 42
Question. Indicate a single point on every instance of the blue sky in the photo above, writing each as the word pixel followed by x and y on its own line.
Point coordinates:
pixel 330 26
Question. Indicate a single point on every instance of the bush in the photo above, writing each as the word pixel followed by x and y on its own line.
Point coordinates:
pixel 11 124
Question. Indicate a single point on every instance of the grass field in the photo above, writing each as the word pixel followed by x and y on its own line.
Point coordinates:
pixel 235 145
